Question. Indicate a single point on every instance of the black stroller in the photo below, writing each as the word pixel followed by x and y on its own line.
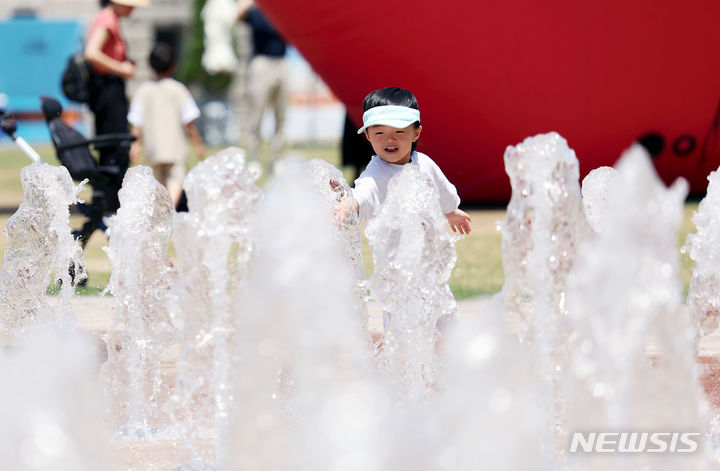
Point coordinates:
pixel 73 152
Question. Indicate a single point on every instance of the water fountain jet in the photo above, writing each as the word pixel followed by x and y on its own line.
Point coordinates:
pixel 39 248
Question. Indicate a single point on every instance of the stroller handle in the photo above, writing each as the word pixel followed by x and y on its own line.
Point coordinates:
pixel 104 140
pixel 29 151
pixel 8 125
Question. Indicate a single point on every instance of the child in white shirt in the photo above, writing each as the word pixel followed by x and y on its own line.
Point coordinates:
pixel 162 113
pixel 391 123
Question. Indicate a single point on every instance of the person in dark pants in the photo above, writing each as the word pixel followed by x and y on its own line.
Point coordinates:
pixel 105 51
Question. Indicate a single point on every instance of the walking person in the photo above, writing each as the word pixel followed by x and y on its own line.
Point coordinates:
pixel 162 116
pixel 267 79
pixel 106 52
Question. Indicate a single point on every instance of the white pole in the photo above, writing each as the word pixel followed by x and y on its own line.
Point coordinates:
pixel 29 151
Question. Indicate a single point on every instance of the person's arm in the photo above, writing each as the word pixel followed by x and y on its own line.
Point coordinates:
pixel 459 221
pixel 243 7
pixel 189 113
pixel 97 58
pixel 196 140
pixel 366 196
pixel 135 147
pixel 347 205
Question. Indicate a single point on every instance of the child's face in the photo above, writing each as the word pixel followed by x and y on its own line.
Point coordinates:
pixel 393 145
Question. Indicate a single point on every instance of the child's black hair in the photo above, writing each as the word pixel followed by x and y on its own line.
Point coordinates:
pixel 162 58
pixel 393 96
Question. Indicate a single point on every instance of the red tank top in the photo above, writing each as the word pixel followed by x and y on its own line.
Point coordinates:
pixel 114 46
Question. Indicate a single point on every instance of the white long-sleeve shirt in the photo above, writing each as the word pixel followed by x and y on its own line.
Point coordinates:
pixel 371 186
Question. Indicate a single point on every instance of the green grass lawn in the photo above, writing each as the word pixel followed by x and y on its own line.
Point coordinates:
pixel 478 270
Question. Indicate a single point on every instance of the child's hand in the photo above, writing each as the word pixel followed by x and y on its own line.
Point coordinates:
pixel 347 205
pixel 459 221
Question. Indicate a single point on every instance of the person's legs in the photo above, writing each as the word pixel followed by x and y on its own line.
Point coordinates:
pixel 378 337
pixel 160 172
pixel 110 108
pixel 386 319
pixel 175 179
pixel 170 175
pixel 280 104
pixel 258 92
pixel 109 105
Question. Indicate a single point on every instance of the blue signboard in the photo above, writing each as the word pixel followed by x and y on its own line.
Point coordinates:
pixel 32 59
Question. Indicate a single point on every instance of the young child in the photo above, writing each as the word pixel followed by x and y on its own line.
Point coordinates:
pixel 391 123
pixel 162 113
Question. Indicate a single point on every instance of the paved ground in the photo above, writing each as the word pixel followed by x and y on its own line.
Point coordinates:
pixel 95 314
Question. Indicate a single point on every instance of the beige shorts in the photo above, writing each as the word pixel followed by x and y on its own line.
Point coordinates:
pixel 170 174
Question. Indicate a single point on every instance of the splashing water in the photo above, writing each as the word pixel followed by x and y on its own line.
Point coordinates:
pixel 703 298
pixel 484 397
pixel 703 247
pixel 413 257
pixel 40 247
pixel 543 227
pixel 214 247
pixel 50 410
pixel 304 394
pixel 595 187
pixel 142 331
pixel 273 373
pixel 331 185
pixel 625 302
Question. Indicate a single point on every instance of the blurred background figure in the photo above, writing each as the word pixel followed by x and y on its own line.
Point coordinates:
pixel 162 113
pixel 219 55
pixel 267 80
pixel 356 151
pixel 106 51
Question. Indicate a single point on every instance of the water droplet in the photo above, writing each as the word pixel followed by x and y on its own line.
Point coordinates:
pixel 480 348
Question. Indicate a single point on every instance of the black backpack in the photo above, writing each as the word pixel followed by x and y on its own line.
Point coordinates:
pixel 76 78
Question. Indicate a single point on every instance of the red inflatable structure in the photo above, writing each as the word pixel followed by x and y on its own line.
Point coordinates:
pixel 488 73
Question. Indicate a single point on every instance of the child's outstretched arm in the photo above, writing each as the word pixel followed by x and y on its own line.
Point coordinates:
pixel 459 221
pixel 347 205
pixel 196 140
